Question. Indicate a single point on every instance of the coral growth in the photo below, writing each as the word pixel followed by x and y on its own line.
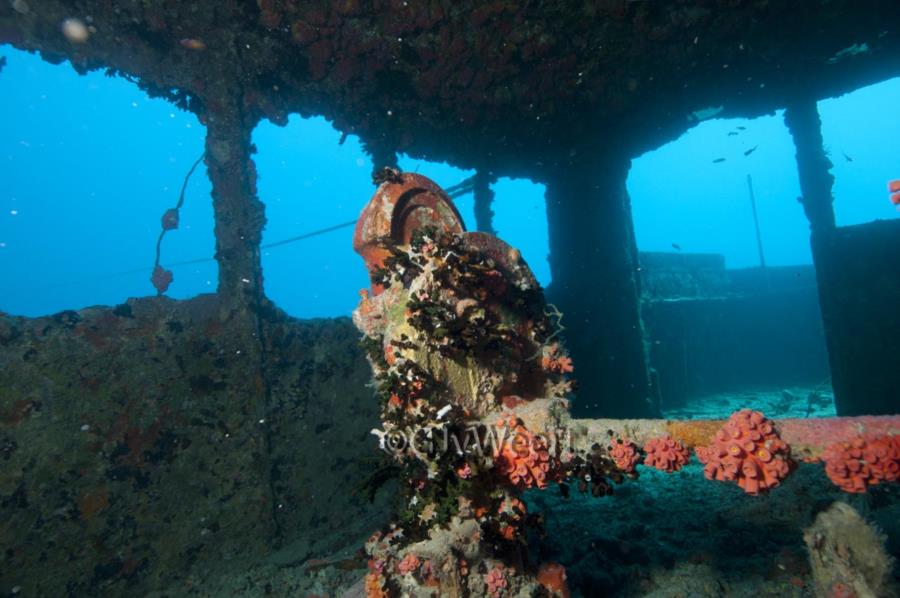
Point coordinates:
pixel 625 454
pixel 597 470
pixel 409 564
pixel 169 220
pixel 747 450
pixel 552 576
pixel 161 279
pixel 511 515
pixel 523 458
pixel 847 555
pixel 374 585
pixel 553 360
pixel 665 454
pixel 496 581
pixel 864 461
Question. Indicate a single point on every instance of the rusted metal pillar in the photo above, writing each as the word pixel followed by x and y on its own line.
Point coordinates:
pixel 596 285
pixel 484 198
pixel 816 182
pixel 813 166
pixel 382 154
pixel 239 215
pixel 239 221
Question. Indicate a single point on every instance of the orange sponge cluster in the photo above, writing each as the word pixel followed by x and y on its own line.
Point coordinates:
pixel 666 454
pixel 862 462
pixel 747 450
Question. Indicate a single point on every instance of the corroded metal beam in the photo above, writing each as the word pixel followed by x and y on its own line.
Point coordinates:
pixel 807 437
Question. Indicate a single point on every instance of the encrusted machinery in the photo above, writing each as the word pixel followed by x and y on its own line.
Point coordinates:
pixel 473 382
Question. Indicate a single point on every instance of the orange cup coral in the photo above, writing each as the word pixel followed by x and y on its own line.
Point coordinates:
pixel 665 454
pixel 523 457
pixel 747 450
pixel 625 455
pixel 496 581
pixel 862 462
pixel 409 564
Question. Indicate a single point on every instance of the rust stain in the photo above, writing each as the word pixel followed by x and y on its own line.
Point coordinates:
pixel 93 502
pixel 17 413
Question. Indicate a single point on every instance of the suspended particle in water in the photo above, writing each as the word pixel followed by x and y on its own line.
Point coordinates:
pixel 193 44
pixel 75 31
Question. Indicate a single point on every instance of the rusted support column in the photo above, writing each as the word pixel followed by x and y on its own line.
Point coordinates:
pixel 239 215
pixel 813 165
pixel 593 260
pixel 382 154
pixel 239 221
pixel 816 181
pixel 484 198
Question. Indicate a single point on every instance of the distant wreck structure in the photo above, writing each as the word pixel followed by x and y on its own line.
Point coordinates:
pixel 167 440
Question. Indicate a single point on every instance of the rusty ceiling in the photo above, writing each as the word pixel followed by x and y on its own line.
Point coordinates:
pixel 509 86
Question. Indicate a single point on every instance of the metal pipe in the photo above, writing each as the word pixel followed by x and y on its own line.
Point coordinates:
pixel 807 437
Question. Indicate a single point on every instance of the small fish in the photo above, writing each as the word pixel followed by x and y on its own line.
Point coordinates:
pixel 846 157
pixel 742 128
pixel 751 150
pixel 894 189
pixel 676 246
pixel 718 160
pixel 732 133
pixel 2 63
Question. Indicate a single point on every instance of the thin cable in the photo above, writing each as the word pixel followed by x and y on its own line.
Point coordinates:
pixel 315 233
pixel 459 189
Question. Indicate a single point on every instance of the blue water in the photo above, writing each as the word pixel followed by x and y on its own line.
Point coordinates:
pixel 90 163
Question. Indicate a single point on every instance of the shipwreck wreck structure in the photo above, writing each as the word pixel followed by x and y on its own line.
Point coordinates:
pixel 473 385
pixel 155 426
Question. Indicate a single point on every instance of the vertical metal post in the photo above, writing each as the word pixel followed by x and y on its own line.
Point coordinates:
pixel 759 245
pixel 484 197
